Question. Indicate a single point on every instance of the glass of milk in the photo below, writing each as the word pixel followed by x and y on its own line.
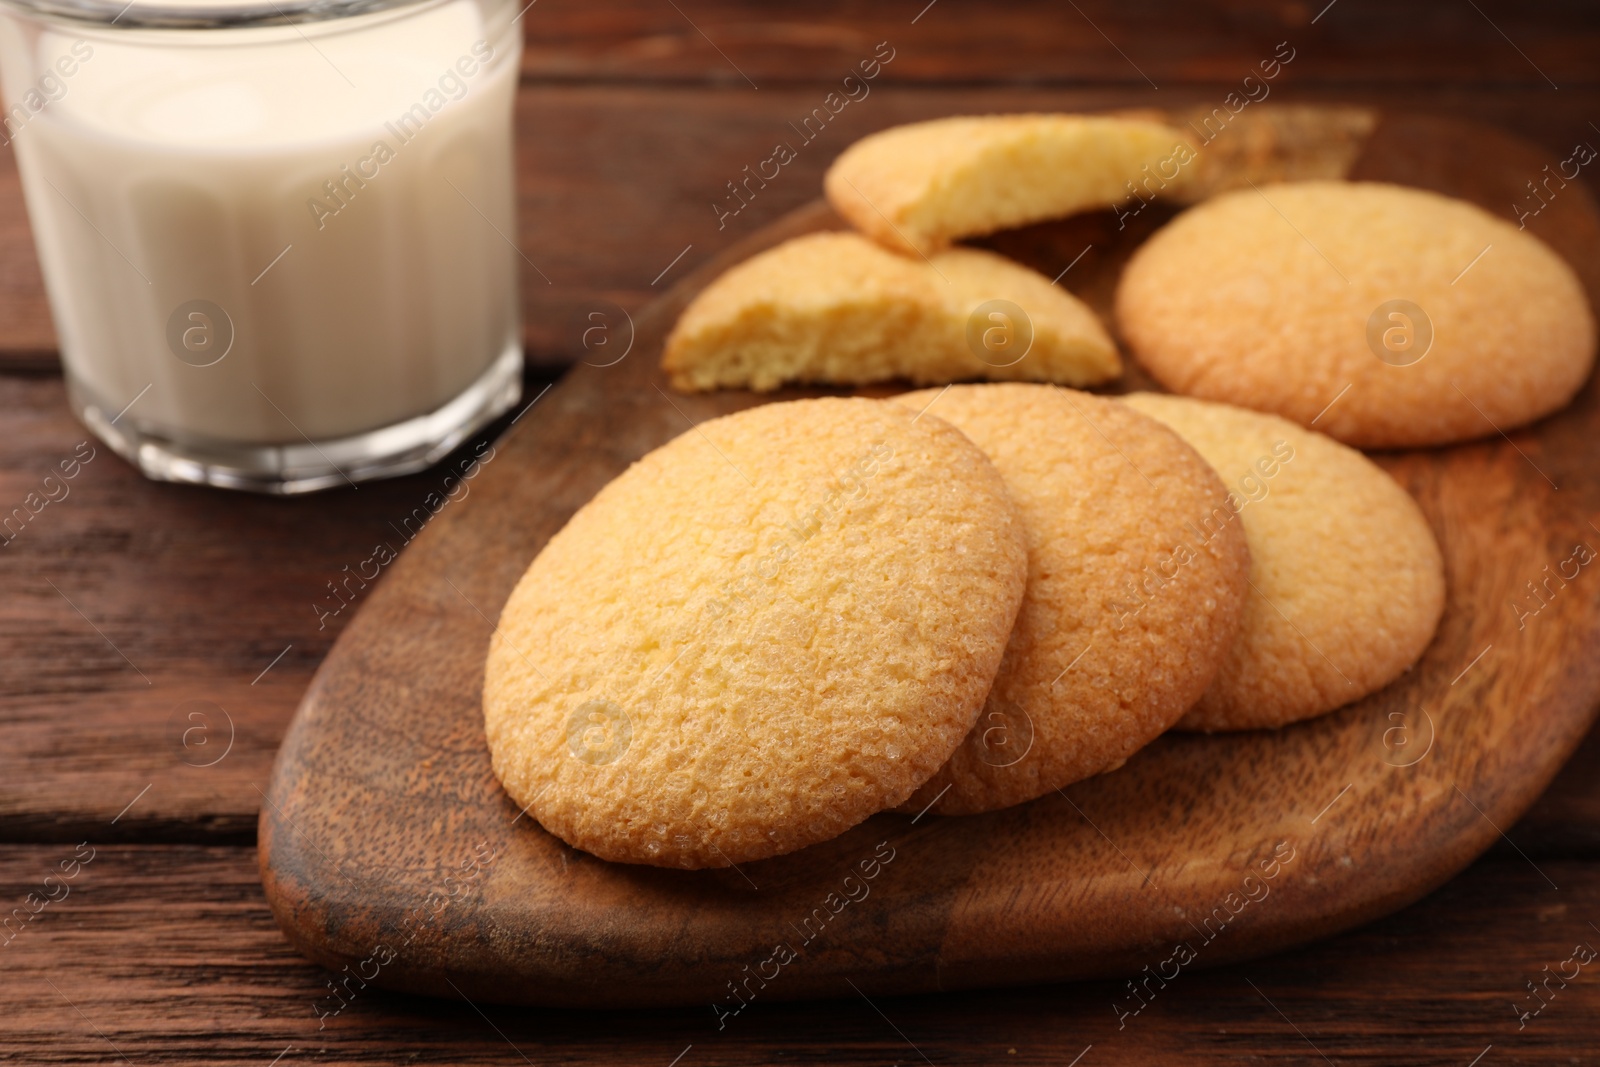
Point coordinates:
pixel 278 235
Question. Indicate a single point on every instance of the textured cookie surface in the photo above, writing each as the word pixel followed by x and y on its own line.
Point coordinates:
pixel 921 186
pixel 1348 580
pixel 1279 299
pixel 758 635
pixel 835 308
pixel 1134 590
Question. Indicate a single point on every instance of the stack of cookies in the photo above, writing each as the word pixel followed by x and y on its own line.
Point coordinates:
pixel 963 598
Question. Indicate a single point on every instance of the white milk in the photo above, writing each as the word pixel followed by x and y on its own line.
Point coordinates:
pixel 172 170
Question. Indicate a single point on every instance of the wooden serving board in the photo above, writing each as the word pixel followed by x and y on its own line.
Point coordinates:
pixel 390 853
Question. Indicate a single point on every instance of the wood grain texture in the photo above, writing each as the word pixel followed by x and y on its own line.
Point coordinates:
pixel 132 606
pixel 200 974
pixel 637 123
pixel 1101 880
pixel 1140 45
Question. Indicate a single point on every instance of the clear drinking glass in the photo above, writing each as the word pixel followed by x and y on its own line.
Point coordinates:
pixel 277 235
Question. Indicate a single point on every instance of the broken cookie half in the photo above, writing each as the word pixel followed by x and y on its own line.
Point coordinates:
pixel 921 186
pixel 836 309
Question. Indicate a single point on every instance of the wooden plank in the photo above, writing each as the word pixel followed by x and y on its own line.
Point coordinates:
pixel 1565 821
pixel 1038 42
pixel 131 605
pixel 169 954
pixel 616 181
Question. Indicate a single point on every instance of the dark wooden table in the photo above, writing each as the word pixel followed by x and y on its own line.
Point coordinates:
pixel 131 608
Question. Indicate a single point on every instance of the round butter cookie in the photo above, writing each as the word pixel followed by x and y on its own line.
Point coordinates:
pixel 1347 580
pixel 1135 589
pixel 1381 315
pixel 758 635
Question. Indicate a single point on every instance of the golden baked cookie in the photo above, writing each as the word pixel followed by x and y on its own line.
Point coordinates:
pixel 919 187
pixel 1135 590
pixel 835 308
pixel 1348 583
pixel 761 633
pixel 1380 315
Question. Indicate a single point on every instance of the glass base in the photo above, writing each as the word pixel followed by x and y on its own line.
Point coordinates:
pixel 403 448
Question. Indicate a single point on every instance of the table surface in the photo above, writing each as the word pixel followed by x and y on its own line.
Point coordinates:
pixel 131 607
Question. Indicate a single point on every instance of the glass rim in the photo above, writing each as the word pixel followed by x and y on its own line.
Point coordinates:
pixel 199 14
